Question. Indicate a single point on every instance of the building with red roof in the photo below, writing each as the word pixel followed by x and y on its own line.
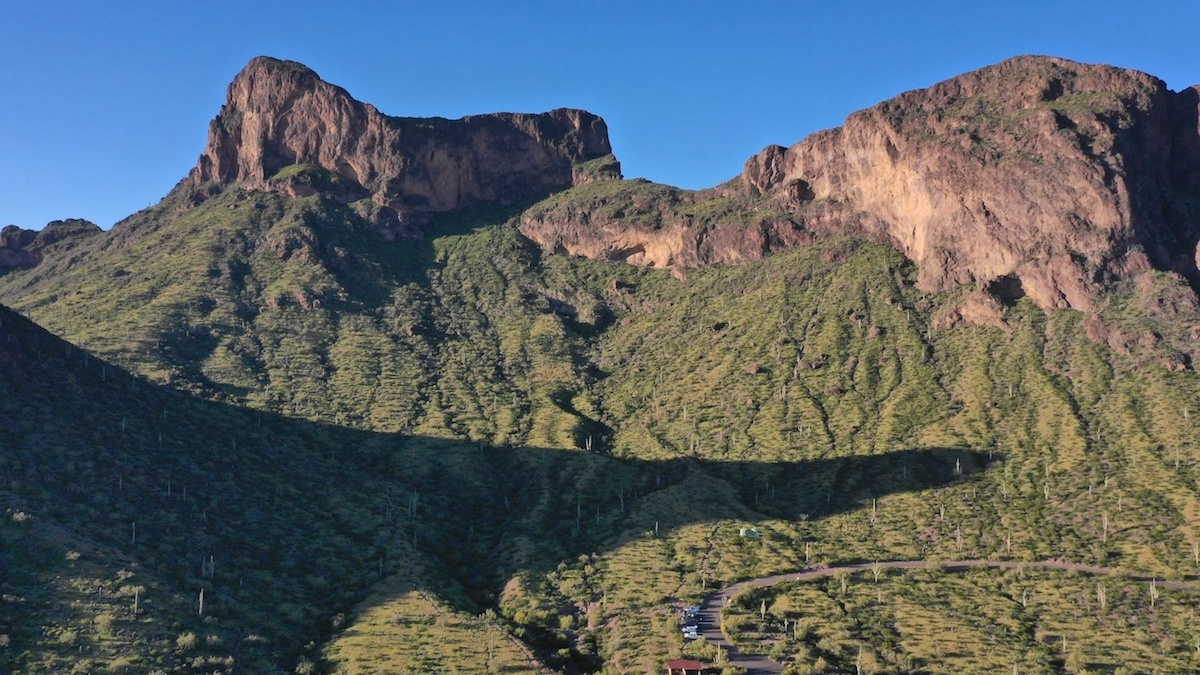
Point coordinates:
pixel 685 667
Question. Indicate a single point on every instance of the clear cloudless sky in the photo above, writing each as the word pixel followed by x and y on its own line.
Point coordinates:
pixel 105 106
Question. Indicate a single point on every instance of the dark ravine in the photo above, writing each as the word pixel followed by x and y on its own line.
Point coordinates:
pixel 710 609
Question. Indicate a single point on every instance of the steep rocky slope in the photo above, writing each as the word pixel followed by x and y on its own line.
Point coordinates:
pixel 1048 177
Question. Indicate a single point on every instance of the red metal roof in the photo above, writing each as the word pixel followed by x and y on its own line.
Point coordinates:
pixel 685 665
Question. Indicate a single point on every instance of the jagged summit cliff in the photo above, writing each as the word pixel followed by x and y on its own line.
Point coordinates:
pixel 1038 175
pixel 282 128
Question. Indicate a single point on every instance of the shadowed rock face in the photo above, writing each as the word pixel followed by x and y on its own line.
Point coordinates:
pixel 280 113
pixel 1056 176
pixel 20 249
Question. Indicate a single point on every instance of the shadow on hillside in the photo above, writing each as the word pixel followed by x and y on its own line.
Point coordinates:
pixel 307 516
pixel 1165 221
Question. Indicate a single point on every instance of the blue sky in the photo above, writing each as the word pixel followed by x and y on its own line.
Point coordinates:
pixel 103 109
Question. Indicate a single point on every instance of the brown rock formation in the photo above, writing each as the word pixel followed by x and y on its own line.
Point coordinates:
pixel 652 225
pixel 283 128
pixel 1050 176
pixel 14 248
pixel 21 249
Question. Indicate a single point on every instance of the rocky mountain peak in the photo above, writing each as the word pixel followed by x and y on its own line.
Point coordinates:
pixel 1038 176
pixel 283 128
pixel 20 248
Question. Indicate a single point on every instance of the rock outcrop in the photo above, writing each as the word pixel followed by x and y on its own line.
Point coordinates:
pixel 651 225
pixel 21 249
pixel 282 128
pixel 1038 176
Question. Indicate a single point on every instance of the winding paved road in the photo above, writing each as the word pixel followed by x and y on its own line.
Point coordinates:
pixel 710 609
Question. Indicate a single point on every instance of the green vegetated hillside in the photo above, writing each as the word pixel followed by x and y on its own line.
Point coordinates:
pixel 983 621
pixel 146 530
pixel 459 453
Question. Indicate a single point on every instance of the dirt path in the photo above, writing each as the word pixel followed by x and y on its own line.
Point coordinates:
pixel 710 609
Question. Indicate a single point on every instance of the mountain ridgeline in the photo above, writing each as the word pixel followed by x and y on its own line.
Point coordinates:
pixel 1036 176
pixel 378 394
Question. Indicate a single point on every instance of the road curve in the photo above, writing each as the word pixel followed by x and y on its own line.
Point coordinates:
pixel 710 608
